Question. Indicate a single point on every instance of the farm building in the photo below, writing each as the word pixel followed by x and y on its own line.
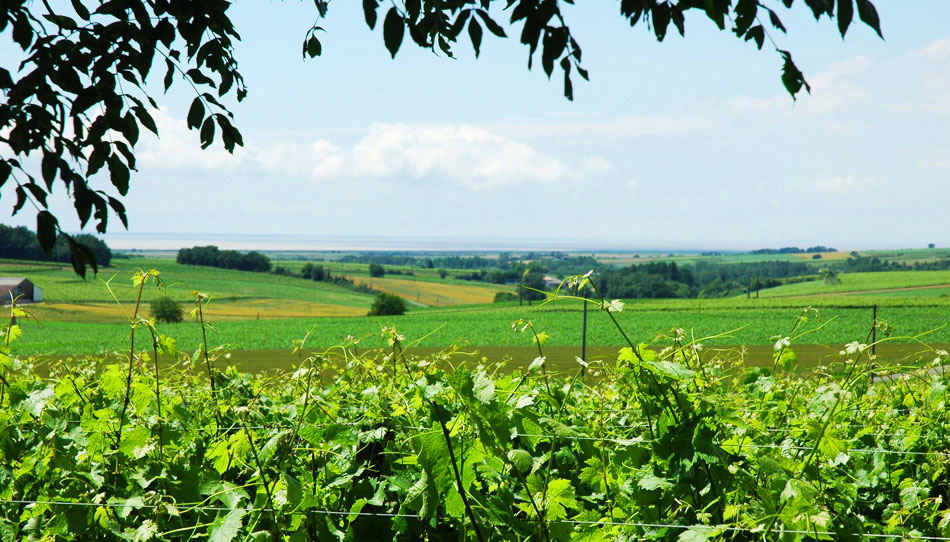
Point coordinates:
pixel 11 287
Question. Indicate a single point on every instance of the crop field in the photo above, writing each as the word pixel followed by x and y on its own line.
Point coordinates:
pixel 491 326
pixel 863 282
pixel 434 293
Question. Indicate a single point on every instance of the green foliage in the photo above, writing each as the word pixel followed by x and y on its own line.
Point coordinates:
pixel 376 270
pixel 502 297
pixel 387 305
pixel 166 309
pixel 682 444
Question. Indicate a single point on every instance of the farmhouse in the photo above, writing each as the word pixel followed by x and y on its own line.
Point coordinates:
pixel 11 287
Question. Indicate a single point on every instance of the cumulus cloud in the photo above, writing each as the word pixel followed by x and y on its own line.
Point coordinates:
pixel 178 147
pixel 463 154
pixel 466 155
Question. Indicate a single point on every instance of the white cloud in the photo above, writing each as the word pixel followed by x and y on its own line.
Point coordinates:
pixel 939 48
pixel 849 185
pixel 595 164
pixel 463 154
pixel 178 147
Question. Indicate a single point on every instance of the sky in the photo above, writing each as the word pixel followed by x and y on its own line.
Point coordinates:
pixel 692 143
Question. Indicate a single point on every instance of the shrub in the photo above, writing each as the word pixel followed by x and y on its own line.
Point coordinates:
pixel 502 297
pixel 387 305
pixel 166 309
pixel 376 270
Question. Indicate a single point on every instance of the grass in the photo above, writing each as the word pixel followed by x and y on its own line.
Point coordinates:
pixel 491 326
pixel 235 294
pixel 862 282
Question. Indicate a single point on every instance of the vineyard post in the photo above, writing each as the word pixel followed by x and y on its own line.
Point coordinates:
pixel 874 330
pixel 584 333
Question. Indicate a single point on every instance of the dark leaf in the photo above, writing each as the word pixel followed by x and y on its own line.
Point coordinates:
pixel 393 29
pixel 868 14
pixel 46 225
pixel 38 193
pixel 119 174
pixel 169 74
pixel 845 14
pixel 475 33
pixel 80 10
pixel 776 22
pixel 676 14
pixel 314 48
pixel 369 12
pixel 5 170
pixel 79 255
pixel 758 34
pixel 119 210
pixel 196 113
pixel 792 77
pixel 207 133
pixel 661 19
pixel 20 200
pixel 146 119
pixel 493 27
pixel 568 86
pixel 413 8
pixel 48 168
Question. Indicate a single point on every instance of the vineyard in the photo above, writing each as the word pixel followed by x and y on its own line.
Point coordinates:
pixel 673 442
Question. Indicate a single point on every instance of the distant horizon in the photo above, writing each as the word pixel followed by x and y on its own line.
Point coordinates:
pixel 159 241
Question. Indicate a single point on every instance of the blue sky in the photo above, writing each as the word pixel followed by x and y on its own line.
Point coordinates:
pixel 692 143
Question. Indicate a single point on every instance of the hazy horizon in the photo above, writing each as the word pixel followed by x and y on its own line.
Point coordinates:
pixel 356 243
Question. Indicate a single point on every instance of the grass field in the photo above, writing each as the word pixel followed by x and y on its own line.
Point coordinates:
pixel 257 311
pixel 491 326
pixel 235 294
pixel 863 282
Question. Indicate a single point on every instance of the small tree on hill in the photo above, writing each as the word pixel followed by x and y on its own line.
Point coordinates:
pixel 931 245
pixel 387 305
pixel 166 309
pixel 376 270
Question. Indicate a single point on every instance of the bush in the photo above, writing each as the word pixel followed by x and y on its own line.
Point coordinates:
pixel 166 309
pixel 387 305
pixel 502 297
pixel 376 270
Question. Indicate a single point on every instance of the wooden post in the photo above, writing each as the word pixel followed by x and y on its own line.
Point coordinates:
pixel 874 330
pixel 584 335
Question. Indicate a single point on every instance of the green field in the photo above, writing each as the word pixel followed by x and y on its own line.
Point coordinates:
pixel 491 326
pixel 259 311
pixel 863 282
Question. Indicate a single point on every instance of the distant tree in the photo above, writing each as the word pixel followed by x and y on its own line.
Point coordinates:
pixel 931 245
pixel 829 276
pixel 387 305
pixel 376 270
pixel 279 270
pixel 166 309
pixel 442 273
pixel 816 256
pixel 313 272
pixel 502 297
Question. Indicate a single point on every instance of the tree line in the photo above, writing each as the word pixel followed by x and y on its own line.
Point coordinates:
pixel 212 256
pixel 20 243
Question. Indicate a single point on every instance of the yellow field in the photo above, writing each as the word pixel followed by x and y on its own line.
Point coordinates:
pixel 824 255
pixel 434 293
pixel 247 309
